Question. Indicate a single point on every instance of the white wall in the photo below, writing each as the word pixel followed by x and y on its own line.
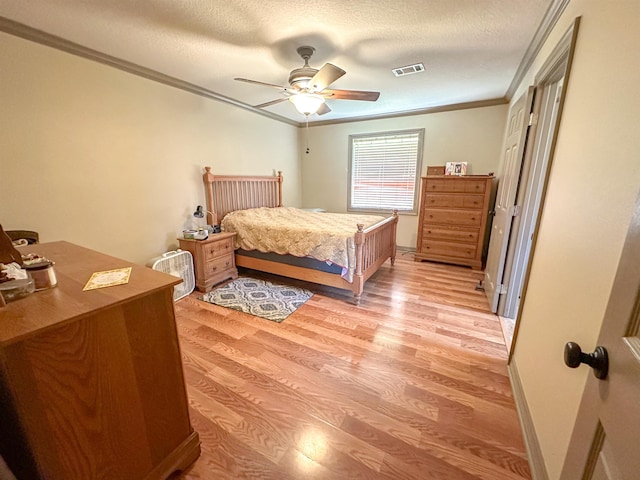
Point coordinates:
pixel 112 161
pixel 593 184
pixel 472 135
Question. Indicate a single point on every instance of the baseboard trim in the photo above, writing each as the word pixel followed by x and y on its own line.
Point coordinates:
pixel 536 460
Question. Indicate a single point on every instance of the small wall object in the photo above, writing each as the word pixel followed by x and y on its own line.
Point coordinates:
pixel 456 168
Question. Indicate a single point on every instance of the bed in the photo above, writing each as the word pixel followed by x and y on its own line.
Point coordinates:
pixel 372 245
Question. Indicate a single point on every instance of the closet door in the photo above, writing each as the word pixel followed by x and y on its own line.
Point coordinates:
pixel 518 127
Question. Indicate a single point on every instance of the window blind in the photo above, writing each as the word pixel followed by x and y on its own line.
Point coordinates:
pixel 384 171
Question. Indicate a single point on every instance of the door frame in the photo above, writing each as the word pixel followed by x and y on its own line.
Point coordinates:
pixel 559 61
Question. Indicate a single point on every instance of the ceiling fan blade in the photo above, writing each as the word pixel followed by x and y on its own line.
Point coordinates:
pixel 246 80
pixel 325 77
pixel 351 95
pixel 324 108
pixel 272 102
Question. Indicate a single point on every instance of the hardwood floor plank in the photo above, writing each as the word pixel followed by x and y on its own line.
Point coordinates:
pixel 412 384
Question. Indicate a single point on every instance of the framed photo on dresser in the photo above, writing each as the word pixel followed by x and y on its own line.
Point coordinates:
pixel 456 168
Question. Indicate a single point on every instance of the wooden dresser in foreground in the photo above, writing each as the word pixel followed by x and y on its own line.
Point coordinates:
pixel 453 217
pixel 91 382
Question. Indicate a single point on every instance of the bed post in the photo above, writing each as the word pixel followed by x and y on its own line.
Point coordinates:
pixel 280 188
pixel 393 240
pixel 207 178
pixel 358 277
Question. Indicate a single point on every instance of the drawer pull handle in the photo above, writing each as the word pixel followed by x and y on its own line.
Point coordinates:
pixel 214 268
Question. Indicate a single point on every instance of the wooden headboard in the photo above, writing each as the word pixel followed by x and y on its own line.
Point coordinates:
pixel 227 193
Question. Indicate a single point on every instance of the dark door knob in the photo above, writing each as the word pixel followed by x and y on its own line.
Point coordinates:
pixel 598 360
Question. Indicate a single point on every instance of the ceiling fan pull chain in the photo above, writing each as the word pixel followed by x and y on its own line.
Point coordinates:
pixel 307 134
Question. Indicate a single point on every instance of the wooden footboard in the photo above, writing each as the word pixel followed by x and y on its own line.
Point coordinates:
pixel 373 246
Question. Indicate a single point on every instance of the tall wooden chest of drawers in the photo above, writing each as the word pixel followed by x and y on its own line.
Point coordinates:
pixel 453 219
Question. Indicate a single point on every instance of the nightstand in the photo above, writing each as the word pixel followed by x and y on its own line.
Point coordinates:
pixel 214 259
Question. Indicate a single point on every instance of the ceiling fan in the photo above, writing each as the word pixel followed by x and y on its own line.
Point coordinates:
pixel 308 90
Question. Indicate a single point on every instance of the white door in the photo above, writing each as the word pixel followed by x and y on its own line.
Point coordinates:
pixel 611 407
pixel 529 199
pixel 513 148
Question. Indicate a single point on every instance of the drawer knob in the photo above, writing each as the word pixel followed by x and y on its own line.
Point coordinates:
pixel 214 268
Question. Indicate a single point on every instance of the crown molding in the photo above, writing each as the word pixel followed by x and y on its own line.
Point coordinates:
pixel 549 21
pixel 38 36
pixel 419 111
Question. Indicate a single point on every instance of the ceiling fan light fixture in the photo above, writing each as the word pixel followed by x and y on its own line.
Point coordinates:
pixel 307 103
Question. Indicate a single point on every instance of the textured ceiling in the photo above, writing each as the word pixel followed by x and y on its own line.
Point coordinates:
pixel 471 49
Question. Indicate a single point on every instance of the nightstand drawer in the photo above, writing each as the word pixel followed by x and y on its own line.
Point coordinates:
pixel 217 249
pixel 220 264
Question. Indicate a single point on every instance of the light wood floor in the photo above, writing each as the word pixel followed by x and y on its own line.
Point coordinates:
pixel 410 385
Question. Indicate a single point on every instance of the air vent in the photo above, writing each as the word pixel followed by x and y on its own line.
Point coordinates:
pixel 408 70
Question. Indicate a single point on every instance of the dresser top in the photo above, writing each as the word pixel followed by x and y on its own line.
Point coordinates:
pixel 73 267
pixel 463 177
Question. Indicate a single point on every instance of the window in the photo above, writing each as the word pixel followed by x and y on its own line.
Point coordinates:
pixel 383 171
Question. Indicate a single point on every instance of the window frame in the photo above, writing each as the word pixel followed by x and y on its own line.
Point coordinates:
pixel 416 193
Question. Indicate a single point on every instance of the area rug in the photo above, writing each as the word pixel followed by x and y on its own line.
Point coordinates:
pixel 261 298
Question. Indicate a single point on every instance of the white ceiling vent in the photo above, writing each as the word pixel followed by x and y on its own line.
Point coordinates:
pixel 408 70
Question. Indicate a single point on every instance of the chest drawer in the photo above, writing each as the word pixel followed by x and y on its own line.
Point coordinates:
pixel 455 185
pixel 443 200
pixel 451 234
pixel 466 218
pixel 447 249
pixel 217 249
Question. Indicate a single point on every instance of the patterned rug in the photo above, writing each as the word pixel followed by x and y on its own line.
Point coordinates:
pixel 261 298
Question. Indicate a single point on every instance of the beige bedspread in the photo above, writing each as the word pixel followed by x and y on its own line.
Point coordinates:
pixel 285 230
